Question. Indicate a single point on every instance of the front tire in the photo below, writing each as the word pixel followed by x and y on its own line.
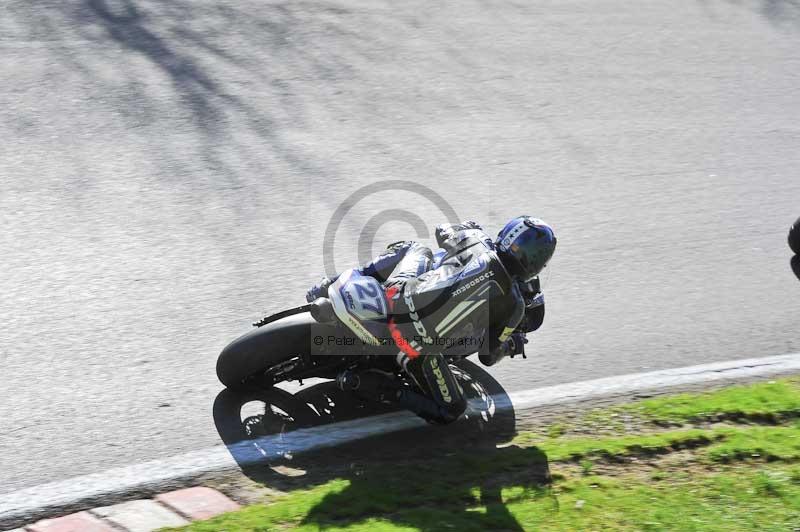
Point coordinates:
pixel 794 237
pixel 249 356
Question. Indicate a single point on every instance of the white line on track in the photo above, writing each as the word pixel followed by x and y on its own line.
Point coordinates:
pixel 32 502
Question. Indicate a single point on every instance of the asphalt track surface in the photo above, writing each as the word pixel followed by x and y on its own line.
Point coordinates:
pixel 168 169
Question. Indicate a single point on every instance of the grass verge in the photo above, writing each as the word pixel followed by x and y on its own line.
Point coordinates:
pixel 724 460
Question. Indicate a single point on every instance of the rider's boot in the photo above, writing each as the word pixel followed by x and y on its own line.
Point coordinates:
pixel 442 400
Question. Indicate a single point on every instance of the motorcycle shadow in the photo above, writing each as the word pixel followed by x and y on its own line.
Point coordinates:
pixel 274 427
pixel 291 441
pixel 795 264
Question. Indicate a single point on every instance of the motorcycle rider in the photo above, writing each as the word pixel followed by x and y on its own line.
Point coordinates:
pixel 471 287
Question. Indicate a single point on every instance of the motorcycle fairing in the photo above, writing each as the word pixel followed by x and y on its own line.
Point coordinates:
pixel 360 304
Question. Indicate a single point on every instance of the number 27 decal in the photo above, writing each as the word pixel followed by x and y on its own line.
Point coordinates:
pixel 370 297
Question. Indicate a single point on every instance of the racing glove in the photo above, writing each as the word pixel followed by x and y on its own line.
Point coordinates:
pixel 515 345
pixel 318 290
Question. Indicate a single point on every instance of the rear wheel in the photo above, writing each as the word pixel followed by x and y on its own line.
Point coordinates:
pixel 794 237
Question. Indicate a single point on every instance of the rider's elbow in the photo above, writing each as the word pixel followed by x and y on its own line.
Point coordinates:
pixel 534 317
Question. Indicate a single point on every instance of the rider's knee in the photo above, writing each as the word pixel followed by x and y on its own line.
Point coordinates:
pixel 453 403
pixel 450 412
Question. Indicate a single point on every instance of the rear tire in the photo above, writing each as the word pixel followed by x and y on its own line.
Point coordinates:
pixel 254 353
pixel 794 237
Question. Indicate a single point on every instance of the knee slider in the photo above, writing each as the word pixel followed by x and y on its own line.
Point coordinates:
pixel 454 410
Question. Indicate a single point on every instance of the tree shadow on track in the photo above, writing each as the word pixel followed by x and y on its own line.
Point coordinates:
pixel 437 471
pixel 222 86
pixel 779 13
pixel 220 117
pixel 192 47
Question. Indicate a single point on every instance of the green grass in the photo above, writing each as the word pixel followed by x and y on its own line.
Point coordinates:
pixel 737 499
pixel 732 476
pixel 714 445
pixel 573 449
pixel 768 401
pixel 768 443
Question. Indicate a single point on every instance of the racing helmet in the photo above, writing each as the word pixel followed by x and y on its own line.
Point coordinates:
pixel 524 246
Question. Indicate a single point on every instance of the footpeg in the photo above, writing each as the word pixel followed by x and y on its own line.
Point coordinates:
pixel 347 381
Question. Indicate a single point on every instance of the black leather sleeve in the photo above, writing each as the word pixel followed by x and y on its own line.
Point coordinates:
pixel 534 307
pixel 500 331
pixel 382 266
pixel 534 317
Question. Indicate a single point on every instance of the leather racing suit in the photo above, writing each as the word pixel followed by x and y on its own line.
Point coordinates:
pixel 438 301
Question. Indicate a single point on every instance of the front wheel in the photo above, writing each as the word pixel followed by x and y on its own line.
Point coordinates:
pixel 794 237
pixel 280 346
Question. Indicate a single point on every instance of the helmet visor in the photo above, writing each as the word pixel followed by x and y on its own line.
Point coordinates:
pixel 533 250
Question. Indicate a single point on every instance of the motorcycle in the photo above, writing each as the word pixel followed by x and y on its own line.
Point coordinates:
pixel 322 339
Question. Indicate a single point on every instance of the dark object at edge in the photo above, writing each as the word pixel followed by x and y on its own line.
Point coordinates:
pixel 794 237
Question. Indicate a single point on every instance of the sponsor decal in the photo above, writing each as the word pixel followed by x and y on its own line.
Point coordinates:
pixel 463 288
pixel 418 326
pixel 351 304
pixel 437 372
pixel 339 299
